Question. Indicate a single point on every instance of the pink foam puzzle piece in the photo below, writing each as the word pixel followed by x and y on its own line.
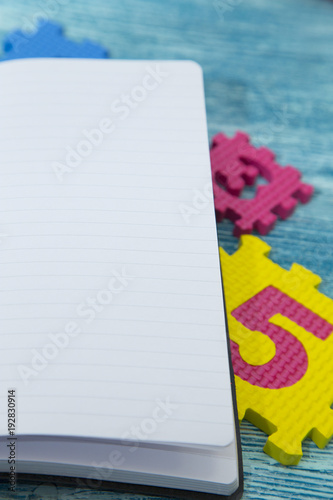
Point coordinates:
pixel 228 166
pixel 277 198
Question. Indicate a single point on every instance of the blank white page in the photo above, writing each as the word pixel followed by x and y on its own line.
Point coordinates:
pixel 111 307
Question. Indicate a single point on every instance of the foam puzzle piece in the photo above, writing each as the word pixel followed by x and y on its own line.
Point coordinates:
pixel 48 41
pixel 228 165
pixel 281 338
pixel 278 198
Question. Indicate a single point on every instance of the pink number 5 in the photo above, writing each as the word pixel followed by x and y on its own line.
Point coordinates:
pixel 290 361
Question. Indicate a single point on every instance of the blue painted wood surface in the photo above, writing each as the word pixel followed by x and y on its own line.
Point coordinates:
pixel 268 71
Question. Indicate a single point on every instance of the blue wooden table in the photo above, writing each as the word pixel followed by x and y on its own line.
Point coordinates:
pixel 268 71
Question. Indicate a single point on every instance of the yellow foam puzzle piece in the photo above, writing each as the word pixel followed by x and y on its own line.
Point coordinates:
pixel 288 414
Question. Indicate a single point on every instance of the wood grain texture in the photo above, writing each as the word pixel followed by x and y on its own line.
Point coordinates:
pixel 268 71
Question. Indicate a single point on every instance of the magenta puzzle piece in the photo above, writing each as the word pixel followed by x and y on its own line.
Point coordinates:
pixel 228 165
pixel 241 165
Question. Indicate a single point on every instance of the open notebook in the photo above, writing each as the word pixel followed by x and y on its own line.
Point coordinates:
pixel 113 337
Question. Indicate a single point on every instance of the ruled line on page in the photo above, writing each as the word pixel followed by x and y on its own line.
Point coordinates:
pixel 214 405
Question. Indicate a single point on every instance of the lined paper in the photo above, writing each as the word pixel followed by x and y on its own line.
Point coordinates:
pixel 136 214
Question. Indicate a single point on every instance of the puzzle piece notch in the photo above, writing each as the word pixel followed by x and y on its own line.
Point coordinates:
pixel 48 41
pixel 278 198
pixel 292 413
pixel 228 165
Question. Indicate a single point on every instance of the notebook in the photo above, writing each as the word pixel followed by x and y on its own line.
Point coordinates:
pixel 115 368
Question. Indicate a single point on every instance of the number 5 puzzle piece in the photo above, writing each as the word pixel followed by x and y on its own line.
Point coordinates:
pixel 281 331
pixel 235 162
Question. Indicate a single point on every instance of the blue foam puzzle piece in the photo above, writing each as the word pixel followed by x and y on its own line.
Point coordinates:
pixel 48 41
